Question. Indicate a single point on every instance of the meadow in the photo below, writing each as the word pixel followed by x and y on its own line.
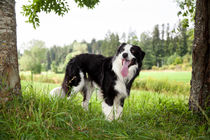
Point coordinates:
pixel 154 110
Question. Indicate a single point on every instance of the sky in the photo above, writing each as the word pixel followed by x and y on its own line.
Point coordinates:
pixel 117 16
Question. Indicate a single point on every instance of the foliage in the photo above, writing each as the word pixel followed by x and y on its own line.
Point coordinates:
pixel 54 67
pixel 34 57
pixel 110 44
pixel 171 59
pixel 79 48
pixel 60 7
pixel 187 11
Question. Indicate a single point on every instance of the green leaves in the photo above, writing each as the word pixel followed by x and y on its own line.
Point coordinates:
pixel 187 11
pixel 88 3
pixel 60 7
pixel 31 10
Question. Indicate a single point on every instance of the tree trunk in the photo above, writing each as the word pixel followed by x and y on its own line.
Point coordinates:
pixel 200 83
pixel 9 73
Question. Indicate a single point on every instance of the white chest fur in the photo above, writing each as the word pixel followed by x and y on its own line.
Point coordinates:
pixel 121 81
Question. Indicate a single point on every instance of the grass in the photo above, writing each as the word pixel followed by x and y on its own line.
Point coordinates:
pixel 161 112
pixel 147 115
pixel 162 86
pixel 177 76
pixel 162 82
pixel 49 77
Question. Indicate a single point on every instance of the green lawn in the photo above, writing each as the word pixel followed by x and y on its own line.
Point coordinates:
pixel 182 76
pixel 146 115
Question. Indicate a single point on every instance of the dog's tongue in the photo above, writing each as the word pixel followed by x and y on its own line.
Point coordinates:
pixel 124 70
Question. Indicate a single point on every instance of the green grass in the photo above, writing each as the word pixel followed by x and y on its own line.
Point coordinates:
pixel 161 112
pixel 147 115
pixel 178 76
pixel 162 86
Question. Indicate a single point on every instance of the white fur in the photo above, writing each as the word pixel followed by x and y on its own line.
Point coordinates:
pixel 57 92
pixel 131 71
pixel 80 85
pixel 121 88
pixel 127 49
pixel 108 111
pixel 113 112
pixel 117 107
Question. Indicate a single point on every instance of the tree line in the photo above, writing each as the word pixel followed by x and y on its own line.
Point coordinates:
pixel 163 46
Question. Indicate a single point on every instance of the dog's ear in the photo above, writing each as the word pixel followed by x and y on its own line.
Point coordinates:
pixel 122 44
pixel 142 55
pixel 120 48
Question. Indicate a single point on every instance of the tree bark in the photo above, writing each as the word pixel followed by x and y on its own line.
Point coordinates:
pixel 9 73
pixel 200 83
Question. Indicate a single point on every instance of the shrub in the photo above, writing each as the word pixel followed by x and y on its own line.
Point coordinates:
pixel 54 67
pixel 155 68
pixel 187 59
pixel 171 59
pixel 36 68
pixel 178 60
pixel 171 67
pixel 164 67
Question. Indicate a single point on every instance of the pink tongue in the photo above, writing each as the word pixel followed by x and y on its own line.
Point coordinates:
pixel 124 70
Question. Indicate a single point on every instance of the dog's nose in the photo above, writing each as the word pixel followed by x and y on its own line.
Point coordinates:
pixel 125 55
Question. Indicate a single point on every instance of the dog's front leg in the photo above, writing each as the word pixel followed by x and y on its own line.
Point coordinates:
pixel 108 111
pixel 119 103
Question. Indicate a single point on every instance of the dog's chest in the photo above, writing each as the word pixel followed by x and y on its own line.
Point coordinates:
pixel 120 87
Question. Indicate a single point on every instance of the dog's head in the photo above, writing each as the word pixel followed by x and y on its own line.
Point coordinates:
pixel 130 56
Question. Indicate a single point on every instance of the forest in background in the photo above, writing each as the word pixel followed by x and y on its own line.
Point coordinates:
pixel 165 47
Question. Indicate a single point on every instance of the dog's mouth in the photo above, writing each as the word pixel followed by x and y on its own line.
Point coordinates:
pixel 125 66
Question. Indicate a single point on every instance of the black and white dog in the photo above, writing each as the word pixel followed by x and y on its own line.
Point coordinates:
pixel 113 76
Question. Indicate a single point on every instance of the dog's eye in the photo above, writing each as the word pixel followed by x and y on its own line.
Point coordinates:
pixel 132 51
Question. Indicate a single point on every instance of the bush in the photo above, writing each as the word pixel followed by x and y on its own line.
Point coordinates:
pixel 187 59
pixel 155 68
pixel 178 60
pixel 164 67
pixel 54 67
pixel 171 59
pixel 171 67
pixel 36 69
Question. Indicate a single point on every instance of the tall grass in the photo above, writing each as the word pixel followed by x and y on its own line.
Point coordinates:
pixel 48 77
pixel 146 115
pixel 162 86
pixel 167 82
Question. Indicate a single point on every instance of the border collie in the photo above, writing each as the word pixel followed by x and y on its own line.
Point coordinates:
pixel 113 76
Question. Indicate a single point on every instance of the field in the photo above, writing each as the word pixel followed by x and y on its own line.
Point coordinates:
pixel 180 76
pixel 147 114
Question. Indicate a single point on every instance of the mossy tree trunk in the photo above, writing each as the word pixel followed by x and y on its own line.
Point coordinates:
pixel 200 83
pixel 9 73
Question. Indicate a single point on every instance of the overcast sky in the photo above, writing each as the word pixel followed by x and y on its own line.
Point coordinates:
pixel 117 16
